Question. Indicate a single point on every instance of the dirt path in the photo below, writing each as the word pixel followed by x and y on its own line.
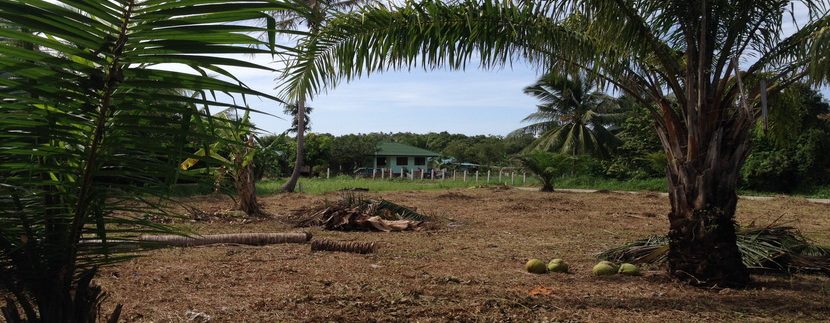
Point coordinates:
pixel 471 269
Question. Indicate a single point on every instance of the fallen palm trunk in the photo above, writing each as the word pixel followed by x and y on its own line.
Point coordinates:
pixel 257 239
pixel 344 246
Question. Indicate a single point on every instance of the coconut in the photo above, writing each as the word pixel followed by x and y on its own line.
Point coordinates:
pixel 535 266
pixel 604 269
pixel 613 265
pixel 629 269
pixel 557 266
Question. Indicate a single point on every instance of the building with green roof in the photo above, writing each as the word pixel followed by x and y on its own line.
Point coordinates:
pixel 401 158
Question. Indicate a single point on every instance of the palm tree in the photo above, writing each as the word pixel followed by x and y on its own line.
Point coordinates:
pixel 294 111
pixel 313 16
pixel 234 149
pixel 571 118
pixel 705 67
pixel 546 166
pixel 90 131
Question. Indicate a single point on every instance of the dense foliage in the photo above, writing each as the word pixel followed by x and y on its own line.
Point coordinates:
pixel 92 128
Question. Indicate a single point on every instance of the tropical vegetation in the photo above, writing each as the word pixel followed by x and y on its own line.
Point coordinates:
pixel 93 127
pixel 572 117
pixel 703 69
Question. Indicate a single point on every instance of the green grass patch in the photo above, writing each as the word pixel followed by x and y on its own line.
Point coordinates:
pixel 322 185
pixel 598 183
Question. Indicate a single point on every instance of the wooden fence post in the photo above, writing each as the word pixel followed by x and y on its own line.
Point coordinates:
pixel 465 176
pixel 432 174
pixel 488 176
pixel 476 177
pixel 382 173
pixel 499 175
pixel 328 173
pixel 524 178
pixel 453 174
pixel 513 178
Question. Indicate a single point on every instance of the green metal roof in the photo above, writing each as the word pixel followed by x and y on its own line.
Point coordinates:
pixel 398 149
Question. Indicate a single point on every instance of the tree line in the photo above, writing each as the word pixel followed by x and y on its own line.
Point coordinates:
pixel 788 155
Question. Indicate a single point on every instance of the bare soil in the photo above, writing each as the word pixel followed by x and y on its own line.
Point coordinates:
pixel 470 268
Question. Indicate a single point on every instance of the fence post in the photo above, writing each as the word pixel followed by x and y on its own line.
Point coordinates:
pixel 499 176
pixel 374 170
pixel 422 174
pixel 382 173
pixel 465 176
pixel 432 174
pixel 524 178
pixel 453 174
pixel 443 174
pixel 476 177
pixel 488 176
pixel 328 173
pixel 512 178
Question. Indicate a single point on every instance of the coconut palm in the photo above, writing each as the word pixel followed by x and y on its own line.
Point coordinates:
pixel 572 118
pixel 92 128
pixel 313 16
pixel 704 67
pixel 546 166
pixel 294 110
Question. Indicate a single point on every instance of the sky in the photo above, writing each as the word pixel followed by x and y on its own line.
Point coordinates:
pixel 471 102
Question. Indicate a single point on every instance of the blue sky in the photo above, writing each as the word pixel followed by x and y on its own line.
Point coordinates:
pixel 469 102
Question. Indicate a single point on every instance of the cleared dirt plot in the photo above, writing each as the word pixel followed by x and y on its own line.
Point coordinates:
pixel 470 268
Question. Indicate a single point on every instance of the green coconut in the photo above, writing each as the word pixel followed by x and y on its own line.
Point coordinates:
pixel 604 269
pixel 557 266
pixel 629 269
pixel 535 266
pixel 613 265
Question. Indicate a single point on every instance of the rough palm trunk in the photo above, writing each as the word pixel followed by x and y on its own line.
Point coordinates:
pixel 298 162
pixel 547 186
pixel 246 185
pixel 702 191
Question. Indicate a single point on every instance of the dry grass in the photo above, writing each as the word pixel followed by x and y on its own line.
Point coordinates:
pixel 469 270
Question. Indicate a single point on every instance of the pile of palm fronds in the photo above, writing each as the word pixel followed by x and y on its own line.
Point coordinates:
pixel 772 249
pixel 354 212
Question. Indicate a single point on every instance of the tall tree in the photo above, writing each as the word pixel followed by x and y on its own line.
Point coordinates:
pixel 701 67
pixel 572 117
pixel 294 111
pixel 313 17
pixel 77 102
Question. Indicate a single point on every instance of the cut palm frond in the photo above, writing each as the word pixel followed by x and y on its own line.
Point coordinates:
pixel 357 212
pixel 778 249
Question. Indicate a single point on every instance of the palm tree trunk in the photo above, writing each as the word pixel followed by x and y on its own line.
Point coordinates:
pixel 702 191
pixel 245 184
pixel 298 163
pixel 547 186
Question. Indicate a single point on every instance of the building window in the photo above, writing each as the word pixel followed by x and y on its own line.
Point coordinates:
pixel 381 161
pixel 402 161
pixel 420 161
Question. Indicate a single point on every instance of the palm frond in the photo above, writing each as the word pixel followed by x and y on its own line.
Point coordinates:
pixel 93 125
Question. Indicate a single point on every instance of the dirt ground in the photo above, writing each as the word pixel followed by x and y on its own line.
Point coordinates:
pixel 470 269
